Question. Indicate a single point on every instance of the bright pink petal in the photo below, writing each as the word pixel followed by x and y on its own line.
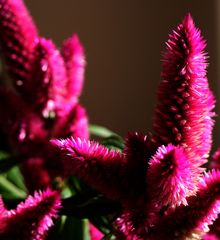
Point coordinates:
pixel 73 54
pixel 184 111
pixel 32 218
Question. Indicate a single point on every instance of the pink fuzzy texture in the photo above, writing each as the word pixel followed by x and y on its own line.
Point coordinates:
pixel 98 166
pixel 118 175
pixel 184 111
pixel 18 38
pixel 193 220
pixel 32 218
pixel 73 54
pixel 48 84
pixel 169 177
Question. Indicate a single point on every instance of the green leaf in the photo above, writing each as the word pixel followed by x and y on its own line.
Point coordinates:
pixel 75 229
pixel 9 190
pixel 114 142
pixel 15 176
pixel 100 131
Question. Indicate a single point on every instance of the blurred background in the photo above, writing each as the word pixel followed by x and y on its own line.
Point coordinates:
pixel 123 42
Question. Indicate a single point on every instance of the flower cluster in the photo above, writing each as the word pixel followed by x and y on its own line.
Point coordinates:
pixel 160 180
pixel 157 186
pixel 40 101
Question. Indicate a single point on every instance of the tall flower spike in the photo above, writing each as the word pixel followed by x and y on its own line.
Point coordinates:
pixel 50 77
pixel 18 38
pixel 184 111
pixel 73 54
pixel 100 167
pixel 192 221
pixel 32 218
pixel 170 177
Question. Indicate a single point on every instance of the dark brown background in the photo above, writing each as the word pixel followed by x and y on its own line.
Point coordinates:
pixel 123 42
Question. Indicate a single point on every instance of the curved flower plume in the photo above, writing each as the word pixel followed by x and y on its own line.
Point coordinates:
pixel 47 85
pixel 32 218
pixel 192 221
pixel 100 167
pixel 184 111
pixel 73 54
pixel 170 177
pixel 118 175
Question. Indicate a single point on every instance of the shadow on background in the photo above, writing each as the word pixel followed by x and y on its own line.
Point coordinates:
pixel 123 42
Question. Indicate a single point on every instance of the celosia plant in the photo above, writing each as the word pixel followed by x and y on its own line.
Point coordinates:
pixel 43 100
pixel 158 186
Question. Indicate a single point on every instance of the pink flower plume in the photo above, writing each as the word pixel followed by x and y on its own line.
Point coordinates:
pixel 193 220
pixel 50 77
pixel 170 177
pixel 73 54
pixel 18 38
pixel 184 111
pixel 98 166
pixel 32 218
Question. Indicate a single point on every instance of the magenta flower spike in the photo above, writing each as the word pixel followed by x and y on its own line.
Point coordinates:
pixel 192 221
pixel 95 164
pixel 31 219
pixel 117 175
pixel 169 177
pixel 73 54
pixel 50 78
pixel 184 114
pixel 18 39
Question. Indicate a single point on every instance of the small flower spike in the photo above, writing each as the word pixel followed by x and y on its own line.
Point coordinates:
pixel 32 218
pixel 184 114
pixel 96 165
pixel 73 54
pixel 193 221
pixel 169 177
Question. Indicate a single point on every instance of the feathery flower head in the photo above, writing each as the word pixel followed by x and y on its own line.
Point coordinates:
pixel 73 54
pixel 32 218
pixel 185 102
pixel 95 164
pixel 192 221
pixel 170 177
